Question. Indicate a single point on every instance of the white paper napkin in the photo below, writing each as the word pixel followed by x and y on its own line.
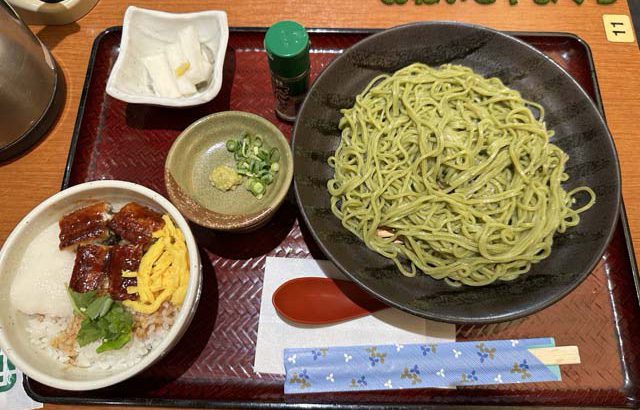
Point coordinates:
pixel 12 394
pixel 385 327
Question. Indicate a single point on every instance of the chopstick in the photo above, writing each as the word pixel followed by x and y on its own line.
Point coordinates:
pixel 557 355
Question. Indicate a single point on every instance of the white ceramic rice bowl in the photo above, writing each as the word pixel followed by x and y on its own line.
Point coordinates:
pixel 14 338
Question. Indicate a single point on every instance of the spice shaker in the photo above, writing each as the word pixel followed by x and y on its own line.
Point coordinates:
pixel 287 47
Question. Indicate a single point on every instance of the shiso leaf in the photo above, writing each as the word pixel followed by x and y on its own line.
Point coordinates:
pixel 81 301
pixel 114 344
pixel 99 307
pixel 104 319
pixel 88 333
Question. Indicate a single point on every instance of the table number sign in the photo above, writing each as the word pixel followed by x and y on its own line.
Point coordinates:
pixel 618 28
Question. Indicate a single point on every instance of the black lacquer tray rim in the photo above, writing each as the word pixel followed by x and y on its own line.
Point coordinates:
pixel 188 403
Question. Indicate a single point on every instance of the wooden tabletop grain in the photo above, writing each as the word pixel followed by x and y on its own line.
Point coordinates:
pixel 28 180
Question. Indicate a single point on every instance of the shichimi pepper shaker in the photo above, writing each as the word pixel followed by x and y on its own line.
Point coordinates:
pixel 287 47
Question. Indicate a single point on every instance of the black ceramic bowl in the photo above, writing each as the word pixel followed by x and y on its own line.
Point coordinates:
pixel 580 131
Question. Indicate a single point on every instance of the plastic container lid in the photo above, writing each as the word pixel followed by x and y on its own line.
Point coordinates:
pixel 287 46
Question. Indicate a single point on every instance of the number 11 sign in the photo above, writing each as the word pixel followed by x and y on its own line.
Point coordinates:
pixel 618 28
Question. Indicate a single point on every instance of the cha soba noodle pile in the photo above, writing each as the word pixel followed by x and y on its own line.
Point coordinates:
pixel 449 173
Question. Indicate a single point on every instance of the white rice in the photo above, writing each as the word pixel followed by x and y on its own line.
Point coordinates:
pixel 43 329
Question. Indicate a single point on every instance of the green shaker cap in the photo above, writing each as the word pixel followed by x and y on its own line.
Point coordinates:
pixel 287 46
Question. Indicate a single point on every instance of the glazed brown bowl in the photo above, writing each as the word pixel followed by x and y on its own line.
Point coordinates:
pixel 199 149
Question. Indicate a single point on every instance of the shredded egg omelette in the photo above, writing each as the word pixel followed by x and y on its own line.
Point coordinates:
pixel 163 273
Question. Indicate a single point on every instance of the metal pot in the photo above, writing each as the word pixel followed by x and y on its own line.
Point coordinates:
pixel 30 85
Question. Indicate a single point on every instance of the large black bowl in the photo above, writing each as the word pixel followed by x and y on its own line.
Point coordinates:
pixel 580 131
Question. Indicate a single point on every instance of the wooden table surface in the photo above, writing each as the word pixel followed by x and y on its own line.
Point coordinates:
pixel 28 180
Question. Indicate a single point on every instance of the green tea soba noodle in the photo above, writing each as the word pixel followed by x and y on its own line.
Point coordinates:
pixel 449 173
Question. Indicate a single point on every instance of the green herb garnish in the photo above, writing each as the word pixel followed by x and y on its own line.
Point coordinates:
pixel 88 333
pixel 254 161
pixel 80 301
pixel 99 307
pixel 114 344
pixel 104 319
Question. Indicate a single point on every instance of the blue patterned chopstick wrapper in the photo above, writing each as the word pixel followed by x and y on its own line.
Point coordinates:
pixel 411 366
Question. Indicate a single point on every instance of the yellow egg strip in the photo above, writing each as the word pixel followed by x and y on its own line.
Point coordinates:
pixel 163 262
pixel 163 273
pixel 181 292
pixel 149 308
pixel 144 271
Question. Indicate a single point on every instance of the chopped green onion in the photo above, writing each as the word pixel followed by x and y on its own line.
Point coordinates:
pixel 275 155
pixel 232 145
pixel 257 188
pixel 255 161
pixel 254 166
pixel 263 155
pixel 266 179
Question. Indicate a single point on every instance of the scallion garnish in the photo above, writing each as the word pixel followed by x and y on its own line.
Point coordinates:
pixel 255 161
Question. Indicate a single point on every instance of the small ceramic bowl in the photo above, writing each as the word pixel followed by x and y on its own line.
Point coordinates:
pixel 14 337
pixel 199 149
pixel 148 32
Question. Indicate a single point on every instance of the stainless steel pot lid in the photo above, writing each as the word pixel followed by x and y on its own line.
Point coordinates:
pixel 30 85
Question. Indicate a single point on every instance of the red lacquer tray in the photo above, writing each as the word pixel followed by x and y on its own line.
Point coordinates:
pixel 212 365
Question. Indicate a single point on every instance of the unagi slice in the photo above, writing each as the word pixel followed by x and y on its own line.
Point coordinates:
pixel 123 258
pixel 84 225
pixel 136 223
pixel 90 268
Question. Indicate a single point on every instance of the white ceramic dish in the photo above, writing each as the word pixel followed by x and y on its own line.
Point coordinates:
pixel 147 32
pixel 14 338
pixel 59 13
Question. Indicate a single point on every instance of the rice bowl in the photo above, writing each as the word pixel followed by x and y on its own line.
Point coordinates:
pixel 42 342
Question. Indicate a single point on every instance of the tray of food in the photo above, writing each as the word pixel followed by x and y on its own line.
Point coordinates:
pixel 593 306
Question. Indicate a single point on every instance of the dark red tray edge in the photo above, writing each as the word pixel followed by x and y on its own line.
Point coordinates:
pixel 279 405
